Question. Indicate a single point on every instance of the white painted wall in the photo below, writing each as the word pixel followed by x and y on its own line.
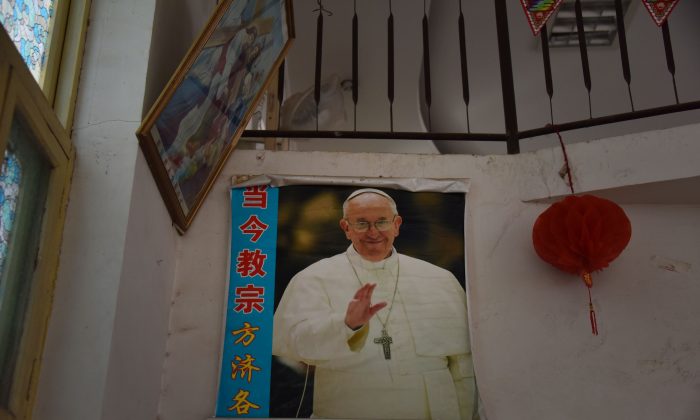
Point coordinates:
pixel 139 334
pixel 126 282
pixel 534 353
pixel 108 326
pixel 177 23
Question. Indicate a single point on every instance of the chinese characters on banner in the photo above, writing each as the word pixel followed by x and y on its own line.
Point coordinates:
pixel 244 384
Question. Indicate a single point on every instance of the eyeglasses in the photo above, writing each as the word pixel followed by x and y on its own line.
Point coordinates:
pixel 363 226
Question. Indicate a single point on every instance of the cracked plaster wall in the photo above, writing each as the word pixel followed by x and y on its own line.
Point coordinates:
pixel 107 331
pixel 534 353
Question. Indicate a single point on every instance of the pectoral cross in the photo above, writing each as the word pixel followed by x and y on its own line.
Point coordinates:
pixel 385 340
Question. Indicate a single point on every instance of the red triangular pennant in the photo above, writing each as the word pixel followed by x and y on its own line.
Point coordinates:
pixel 660 9
pixel 538 11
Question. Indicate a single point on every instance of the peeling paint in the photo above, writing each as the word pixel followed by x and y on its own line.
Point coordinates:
pixel 675 359
pixel 186 329
pixel 669 264
pixel 563 175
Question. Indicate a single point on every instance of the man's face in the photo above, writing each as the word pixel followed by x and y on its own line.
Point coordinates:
pixel 372 244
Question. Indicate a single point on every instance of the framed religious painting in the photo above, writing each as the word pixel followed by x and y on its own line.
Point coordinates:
pixel 199 117
pixel 347 298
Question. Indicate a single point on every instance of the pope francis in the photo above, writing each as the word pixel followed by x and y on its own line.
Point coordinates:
pixel 387 333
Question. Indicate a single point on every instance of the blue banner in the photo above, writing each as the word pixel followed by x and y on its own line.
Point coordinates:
pixel 244 385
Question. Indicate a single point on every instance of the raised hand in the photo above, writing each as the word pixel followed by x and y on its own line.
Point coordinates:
pixel 360 308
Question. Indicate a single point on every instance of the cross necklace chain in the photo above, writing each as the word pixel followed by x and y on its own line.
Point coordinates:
pixel 385 340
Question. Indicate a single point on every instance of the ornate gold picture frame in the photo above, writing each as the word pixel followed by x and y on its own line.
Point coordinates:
pixel 199 117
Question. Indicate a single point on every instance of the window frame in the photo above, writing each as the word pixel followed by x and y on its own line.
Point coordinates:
pixel 54 48
pixel 64 56
pixel 20 93
pixel 67 71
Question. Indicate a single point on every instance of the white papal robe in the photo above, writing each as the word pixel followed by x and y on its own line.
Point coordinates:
pixel 430 373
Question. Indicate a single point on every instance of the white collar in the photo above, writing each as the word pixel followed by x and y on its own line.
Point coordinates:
pixel 357 260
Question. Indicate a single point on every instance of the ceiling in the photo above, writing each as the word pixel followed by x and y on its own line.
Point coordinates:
pixel 178 23
pixel 651 83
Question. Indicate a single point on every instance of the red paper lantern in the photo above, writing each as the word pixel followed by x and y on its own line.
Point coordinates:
pixel 580 235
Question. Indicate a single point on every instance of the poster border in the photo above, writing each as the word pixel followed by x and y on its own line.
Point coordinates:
pixel 443 185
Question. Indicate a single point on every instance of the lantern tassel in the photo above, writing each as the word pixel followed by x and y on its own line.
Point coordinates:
pixel 594 324
pixel 591 312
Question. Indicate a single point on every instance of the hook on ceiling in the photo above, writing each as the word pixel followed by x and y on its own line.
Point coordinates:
pixel 322 9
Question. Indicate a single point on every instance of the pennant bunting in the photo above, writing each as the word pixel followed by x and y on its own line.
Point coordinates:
pixel 538 12
pixel 660 9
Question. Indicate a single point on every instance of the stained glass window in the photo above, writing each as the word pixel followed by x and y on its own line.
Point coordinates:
pixel 24 180
pixel 9 191
pixel 34 178
pixel 28 22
